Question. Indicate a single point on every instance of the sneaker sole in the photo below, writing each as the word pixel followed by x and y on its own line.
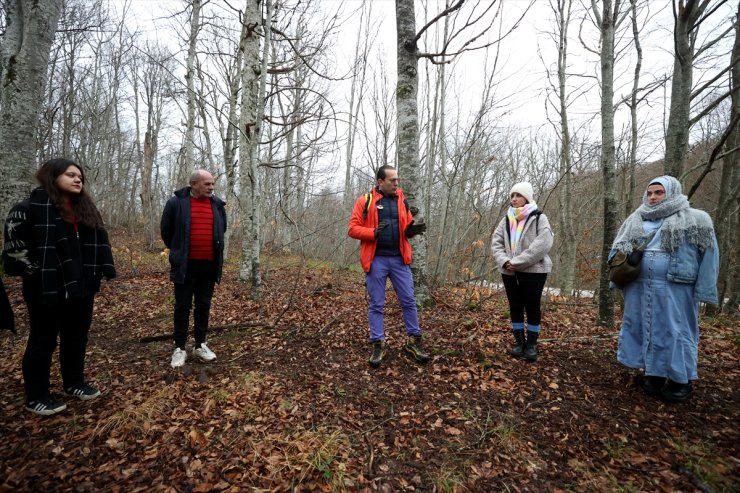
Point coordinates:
pixel 84 397
pixel 416 358
pixel 46 412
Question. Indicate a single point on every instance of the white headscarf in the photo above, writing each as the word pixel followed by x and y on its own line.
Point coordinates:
pixel 680 221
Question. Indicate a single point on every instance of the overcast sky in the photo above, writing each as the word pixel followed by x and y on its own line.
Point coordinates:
pixel 521 70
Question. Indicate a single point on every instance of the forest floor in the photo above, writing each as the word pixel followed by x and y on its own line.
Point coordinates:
pixel 292 405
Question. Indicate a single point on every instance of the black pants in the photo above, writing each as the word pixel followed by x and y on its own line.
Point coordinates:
pixel 68 319
pixel 199 282
pixel 524 291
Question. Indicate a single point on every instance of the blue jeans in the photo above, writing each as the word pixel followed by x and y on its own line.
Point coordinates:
pixel 403 283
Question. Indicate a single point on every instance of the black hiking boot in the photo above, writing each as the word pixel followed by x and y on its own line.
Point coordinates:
pixel 379 351
pixel 676 392
pixel 530 352
pixel 653 385
pixel 414 348
pixel 518 350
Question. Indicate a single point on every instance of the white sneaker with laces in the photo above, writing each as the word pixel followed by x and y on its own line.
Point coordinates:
pixel 204 353
pixel 178 357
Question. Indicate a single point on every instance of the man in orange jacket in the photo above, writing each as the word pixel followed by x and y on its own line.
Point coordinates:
pixel 383 224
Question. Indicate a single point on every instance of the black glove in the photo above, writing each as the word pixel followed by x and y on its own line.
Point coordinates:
pixel 414 229
pixel 381 226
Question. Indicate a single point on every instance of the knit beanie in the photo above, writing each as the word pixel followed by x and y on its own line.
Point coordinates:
pixel 525 190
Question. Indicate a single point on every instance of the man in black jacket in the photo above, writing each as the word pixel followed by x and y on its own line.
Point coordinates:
pixel 193 226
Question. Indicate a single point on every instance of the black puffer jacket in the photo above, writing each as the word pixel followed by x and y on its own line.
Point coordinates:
pixel 175 229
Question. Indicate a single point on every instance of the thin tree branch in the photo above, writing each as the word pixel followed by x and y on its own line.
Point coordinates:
pixel 713 156
pixel 429 24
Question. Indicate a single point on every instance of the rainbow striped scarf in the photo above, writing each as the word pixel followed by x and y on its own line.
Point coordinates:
pixel 517 218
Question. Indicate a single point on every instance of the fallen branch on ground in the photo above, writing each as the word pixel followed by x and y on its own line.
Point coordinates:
pixel 215 328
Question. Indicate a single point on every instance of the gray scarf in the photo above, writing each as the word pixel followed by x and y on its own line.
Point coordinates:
pixel 680 222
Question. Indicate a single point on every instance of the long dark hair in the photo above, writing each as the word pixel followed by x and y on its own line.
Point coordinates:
pixel 83 206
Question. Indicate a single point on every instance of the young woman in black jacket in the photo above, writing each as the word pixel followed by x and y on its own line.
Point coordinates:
pixel 56 241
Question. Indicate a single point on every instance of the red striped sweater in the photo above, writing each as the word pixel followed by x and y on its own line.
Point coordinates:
pixel 201 229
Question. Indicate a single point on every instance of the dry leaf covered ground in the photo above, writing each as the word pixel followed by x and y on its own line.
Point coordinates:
pixel 291 404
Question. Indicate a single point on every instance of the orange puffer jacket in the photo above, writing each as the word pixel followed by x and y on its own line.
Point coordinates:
pixel 363 229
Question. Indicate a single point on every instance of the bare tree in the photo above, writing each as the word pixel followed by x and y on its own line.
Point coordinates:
pixel 567 244
pixel 608 18
pixel 689 16
pixel 24 53
pixel 727 219
pixel 190 74
pixel 156 81
pixel 478 22
pixel 253 90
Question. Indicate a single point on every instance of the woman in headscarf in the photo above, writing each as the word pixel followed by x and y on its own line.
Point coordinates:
pixel 660 325
pixel 520 247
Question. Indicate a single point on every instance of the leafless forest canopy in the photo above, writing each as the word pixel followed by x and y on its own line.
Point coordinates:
pixel 293 106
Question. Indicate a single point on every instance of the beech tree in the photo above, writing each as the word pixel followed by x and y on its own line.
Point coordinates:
pixel 192 97
pixel 608 18
pixel 478 22
pixel 689 16
pixel 727 219
pixel 567 245
pixel 29 28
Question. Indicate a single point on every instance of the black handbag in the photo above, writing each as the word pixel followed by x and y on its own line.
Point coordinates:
pixel 625 267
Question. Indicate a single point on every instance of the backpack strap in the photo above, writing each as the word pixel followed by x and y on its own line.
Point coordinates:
pixel 368 201
pixel 537 213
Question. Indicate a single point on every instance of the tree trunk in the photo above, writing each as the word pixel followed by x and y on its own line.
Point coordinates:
pixel 230 136
pixel 727 220
pixel 607 25
pixel 677 131
pixel 408 134
pixel 248 126
pixel 190 83
pixel 24 53
pixel 630 181
pixel 356 98
pixel 252 97
pixel 568 245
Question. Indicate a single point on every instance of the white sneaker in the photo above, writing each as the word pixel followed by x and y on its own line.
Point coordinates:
pixel 204 353
pixel 178 357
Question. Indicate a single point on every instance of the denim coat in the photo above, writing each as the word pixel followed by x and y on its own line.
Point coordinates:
pixel 689 265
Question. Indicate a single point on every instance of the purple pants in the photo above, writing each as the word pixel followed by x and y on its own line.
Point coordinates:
pixel 403 283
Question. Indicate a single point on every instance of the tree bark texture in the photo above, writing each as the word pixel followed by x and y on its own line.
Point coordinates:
pixel 190 83
pixel 249 132
pixel 677 131
pixel 24 54
pixel 727 221
pixel 607 25
pixel 630 180
pixel 408 134
pixel 569 247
